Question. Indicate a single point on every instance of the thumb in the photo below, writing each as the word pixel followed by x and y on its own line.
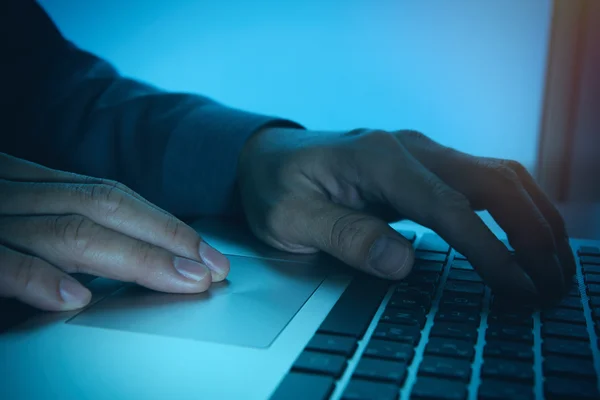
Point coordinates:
pixel 359 240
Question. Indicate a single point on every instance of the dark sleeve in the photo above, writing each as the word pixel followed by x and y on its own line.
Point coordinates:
pixel 69 110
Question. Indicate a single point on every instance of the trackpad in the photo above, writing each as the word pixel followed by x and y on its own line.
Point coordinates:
pixel 249 309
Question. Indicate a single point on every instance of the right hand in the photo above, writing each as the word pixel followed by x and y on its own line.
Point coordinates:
pixel 53 223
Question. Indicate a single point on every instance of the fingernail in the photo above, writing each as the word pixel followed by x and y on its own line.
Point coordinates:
pixel 388 256
pixel 190 269
pixel 213 259
pixel 73 293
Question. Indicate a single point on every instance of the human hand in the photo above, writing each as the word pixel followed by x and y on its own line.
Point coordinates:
pixel 53 223
pixel 306 191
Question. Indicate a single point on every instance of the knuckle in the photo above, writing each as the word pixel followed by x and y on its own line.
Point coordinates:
pixel 146 254
pixel 107 198
pixel 173 227
pixel 516 166
pixel 505 174
pixel 74 231
pixel 346 231
pixel 378 136
pixel 412 135
pixel 117 185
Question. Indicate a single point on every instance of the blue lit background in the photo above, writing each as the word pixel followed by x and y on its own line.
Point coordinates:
pixel 468 73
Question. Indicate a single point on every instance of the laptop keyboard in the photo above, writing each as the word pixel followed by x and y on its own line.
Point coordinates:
pixel 442 335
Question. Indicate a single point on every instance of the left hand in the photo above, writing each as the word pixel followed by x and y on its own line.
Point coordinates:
pixel 306 191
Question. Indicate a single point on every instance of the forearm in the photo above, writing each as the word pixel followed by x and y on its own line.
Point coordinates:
pixel 179 151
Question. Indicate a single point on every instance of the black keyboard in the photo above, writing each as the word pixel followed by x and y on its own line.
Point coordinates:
pixel 440 334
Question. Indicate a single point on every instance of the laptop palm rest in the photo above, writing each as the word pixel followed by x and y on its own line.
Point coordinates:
pixel 249 309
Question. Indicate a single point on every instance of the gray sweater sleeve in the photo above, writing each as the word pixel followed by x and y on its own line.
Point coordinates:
pixel 72 111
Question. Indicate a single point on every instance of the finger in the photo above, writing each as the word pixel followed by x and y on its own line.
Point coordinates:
pixel 39 284
pixel 449 214
pixel 359 240
pixel 421 196
pixel 77 244
pixel 498 189
pixel 551 214
pixel 111 207
pixel 17 169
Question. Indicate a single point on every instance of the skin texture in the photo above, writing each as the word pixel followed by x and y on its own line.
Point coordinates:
pixel 337 191
pixel 53 223
pixel 302 192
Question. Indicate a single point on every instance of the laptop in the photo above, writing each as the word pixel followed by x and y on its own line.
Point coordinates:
pixel 288 327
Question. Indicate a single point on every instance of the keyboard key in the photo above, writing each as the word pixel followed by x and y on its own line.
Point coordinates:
pixel 491 389
pixel 567 366
pixel 428 266
pixel 507 369
pixel 381 370
pixel 426 288
pixel 421 278
pixel 389 350
pixel 359 389
pixel 464 287
pixel 458 256
pixel 593 289
pixel 596 314
pixel 456 331
pixel 564 315
pixel 297 386
pixel 462 275
pixel 450 348
pixel 341 345
pixel 508 350
pixel 557 329
pixel 504 305
pixel 404 317
pixel 569 348
pixel 595 301
pixel 594 260
pixel 455 314
pixel 588 251
pixel 459 264
pixel 436 388
pixel 409 235
pixel 591 278
pixel 354 310
pixel 410 301
pixel 461 299
pixel 569 388
pixel 571 302
pixel 398 333
pixel 422 289
pixel 428 256
pixel 445 368
pixel 434 243
pixel 590 269
pixel 503 318
pixel 510 333
pixel 320 363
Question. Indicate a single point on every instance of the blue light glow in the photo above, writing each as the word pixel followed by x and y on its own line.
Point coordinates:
pixel 468 73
